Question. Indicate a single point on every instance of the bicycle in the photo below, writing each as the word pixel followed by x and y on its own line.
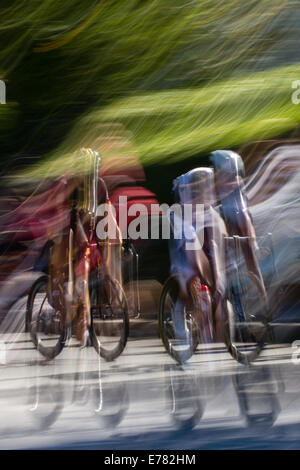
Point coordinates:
pixel 185 307
pixel 218 306
pixel 77 290
pixel 246 313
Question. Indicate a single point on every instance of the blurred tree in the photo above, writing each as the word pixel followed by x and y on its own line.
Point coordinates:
pixel 61 58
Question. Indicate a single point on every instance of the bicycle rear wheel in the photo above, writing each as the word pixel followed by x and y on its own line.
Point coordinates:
pixel 178 325
pixel 109 317
pixel 45 324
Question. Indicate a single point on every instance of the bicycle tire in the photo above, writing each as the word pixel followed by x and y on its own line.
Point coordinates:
pixel 106 291
pixel 166 329
pixel 32 325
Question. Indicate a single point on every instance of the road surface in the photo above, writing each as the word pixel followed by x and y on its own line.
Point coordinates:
pixel 143 400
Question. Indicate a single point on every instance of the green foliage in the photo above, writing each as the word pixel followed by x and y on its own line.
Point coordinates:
pixel 62 60
pixel 175 124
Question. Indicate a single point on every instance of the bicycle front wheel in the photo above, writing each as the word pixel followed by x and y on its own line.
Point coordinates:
pixel 247 313
pixel 109 315
pixel 44 323
pixel 178 325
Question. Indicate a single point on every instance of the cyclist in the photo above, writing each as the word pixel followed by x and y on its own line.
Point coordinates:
pixel 83 206
pixel 201 266
pixel 229 173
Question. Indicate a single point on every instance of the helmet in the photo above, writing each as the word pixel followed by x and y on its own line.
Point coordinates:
pixel 195 186
pixel 228 162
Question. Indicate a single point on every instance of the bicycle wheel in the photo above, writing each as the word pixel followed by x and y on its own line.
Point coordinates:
pixel 247 311
pixel 178 326
pixel 45 324
pixel 109 317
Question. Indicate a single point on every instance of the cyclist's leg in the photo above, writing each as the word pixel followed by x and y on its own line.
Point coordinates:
pixel 249 250
pixel 181 303
pixel 57 269
pixel 220 316
pixel 81 273
pixel 82 303
pixel 178 318
pixel 217 234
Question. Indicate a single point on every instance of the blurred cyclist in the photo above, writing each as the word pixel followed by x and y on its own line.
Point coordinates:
pixel 234 206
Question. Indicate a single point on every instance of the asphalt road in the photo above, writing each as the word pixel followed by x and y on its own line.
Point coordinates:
pixel 143 400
